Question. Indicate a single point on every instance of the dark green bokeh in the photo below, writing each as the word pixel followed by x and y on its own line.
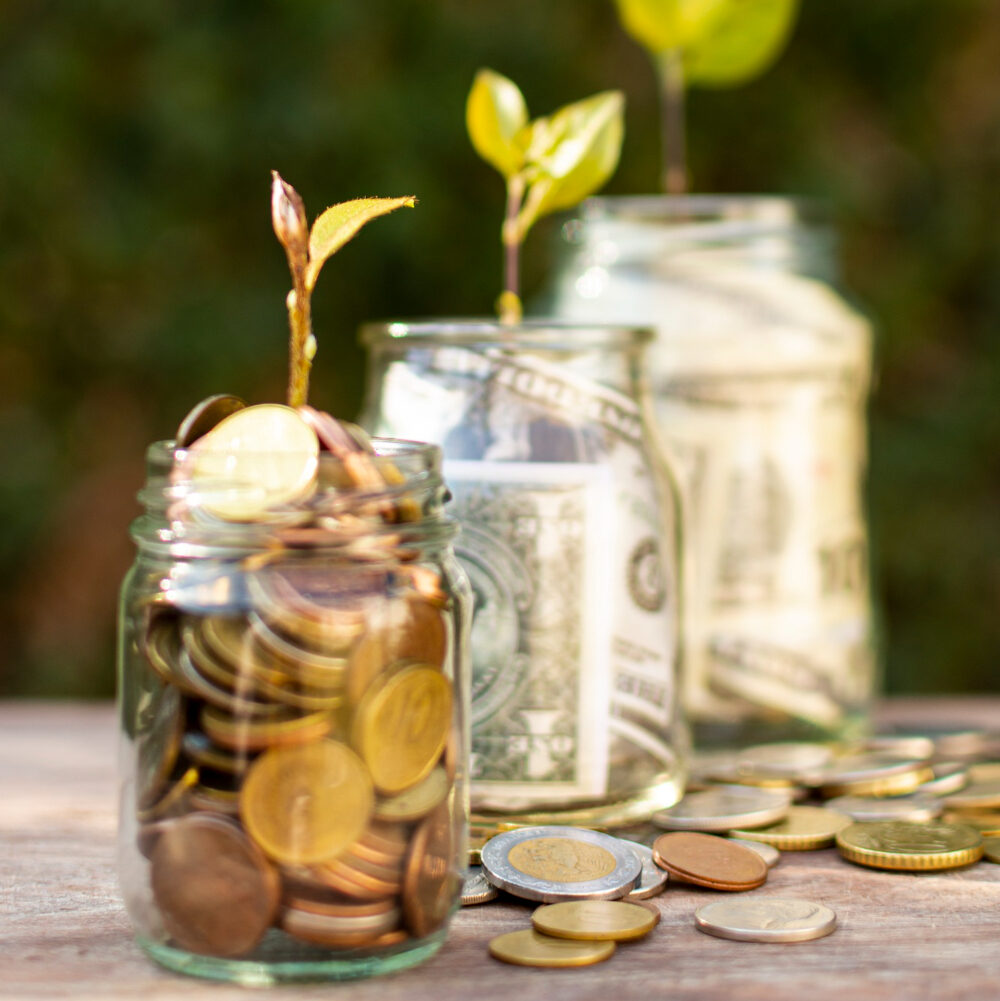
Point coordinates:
pixel 138 271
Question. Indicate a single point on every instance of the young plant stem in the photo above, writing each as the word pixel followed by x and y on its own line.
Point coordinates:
pixel 510 300
pixel 672 126
pixel 300 323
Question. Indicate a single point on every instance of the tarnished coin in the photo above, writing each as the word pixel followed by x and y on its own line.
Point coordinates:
pixel 306 804
pixel 766 919
pixel 476 888
pixel 402 726
pixel 418 800
pixel 899 844
pixel 554 863
pixel 768 853
pixel 873 774
pixel 797 762
pixel 529 948
pixel 652 880
pixel 593 920
pixel 256 459
pixel 708 860
pixel 976 796
pixel 991 848
pixel 723 809
pixel 806 828
pixel 915 806
pixel 204 416
pixel 430 880
pixel 215 891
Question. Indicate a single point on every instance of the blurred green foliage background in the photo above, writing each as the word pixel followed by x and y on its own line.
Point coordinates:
pixel 138 271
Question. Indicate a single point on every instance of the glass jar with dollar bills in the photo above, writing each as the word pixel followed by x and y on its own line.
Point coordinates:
pixel 293 701
pixel 569 539
pixel 760 376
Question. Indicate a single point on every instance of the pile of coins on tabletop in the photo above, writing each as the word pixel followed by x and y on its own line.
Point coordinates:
pixel 896 803
pixel 297 747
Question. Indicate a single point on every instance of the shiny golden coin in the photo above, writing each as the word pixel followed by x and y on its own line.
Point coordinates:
pixel 204 416
pixel 238 733
pixel 529 948
pixel 558 860
pixel 873 774
pixel 307 804
pixel 914 847
pixel 991 848
pixel 431 883
pixel 708 860
pixel 402 725
pixel 417 801
pixel 597 920
pixel 296 663
pixel 361 878
pixel 216 893
pixel 806 828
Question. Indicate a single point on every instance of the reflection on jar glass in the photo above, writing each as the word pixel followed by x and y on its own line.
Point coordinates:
pixel 293 697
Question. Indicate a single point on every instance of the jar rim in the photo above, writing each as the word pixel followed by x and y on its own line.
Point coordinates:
pixel 764 208
pixel 548 333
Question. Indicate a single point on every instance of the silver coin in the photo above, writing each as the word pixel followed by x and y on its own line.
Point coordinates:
pixel 868 809
pixel 766 919
pixel 652 879
pixel 901 745
pixel 552 864
pixel 794 761
pixel 768 853
pixel 476 888
pixel 867 766
pixel 723 809
pixel 949 776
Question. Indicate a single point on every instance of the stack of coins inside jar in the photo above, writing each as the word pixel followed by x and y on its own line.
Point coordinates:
pixel 291 690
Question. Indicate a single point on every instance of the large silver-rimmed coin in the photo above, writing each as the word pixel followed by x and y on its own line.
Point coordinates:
pixel 915 807
pixel 560 863
pixel 652 879
pixel 724 809
pixel 766 919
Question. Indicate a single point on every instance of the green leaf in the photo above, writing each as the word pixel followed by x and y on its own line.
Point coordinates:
pixel 572 153
pixel 339 223
pixel 661 25
pixel 495 114
pixel 742 42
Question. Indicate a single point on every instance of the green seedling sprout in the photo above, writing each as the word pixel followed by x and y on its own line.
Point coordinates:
pixel 703 43
pixel 307 251
pixel 548 163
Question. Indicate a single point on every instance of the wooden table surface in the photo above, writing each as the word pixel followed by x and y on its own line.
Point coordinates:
pixel 64 932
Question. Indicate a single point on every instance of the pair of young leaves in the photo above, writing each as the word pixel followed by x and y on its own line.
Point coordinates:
pixel 722 43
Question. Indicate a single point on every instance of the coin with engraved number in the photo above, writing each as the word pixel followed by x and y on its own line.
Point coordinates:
pixel 215 891
pixel 806 828
pixel 724 809
pixel 555 863
pixel 710 861
pixel 915 806
pixel 306 804
pixel 766 919
pixel 528 948
pixel 652 880
pixel 476 888
pixel 593 920
pixel 902 845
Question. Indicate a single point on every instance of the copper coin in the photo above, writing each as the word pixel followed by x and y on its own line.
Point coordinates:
pixel 216 892
pixel 431 883
pixel 708 860
pixel 204 416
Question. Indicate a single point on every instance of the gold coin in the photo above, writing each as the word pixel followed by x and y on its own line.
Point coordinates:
pixel 431 882
pixel 306 804
pixel 806 828
pixel 529 948
pixel 294 662
pixel 987 822
pixel 418 800
pixel 237 733
pixel 561 860
pixel 402 725
pixel 901 844
pixel 873 774
pixel 598 920
pixel 991 848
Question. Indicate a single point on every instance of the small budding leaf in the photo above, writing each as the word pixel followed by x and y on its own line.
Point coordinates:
pixel 495 115
pixel 662 25
pixel 339 223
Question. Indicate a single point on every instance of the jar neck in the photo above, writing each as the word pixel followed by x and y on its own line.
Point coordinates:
pixel 768 234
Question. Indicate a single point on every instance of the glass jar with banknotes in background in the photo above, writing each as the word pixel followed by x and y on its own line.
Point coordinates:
pixel 568 535
pixel 760 376
pixel 293 700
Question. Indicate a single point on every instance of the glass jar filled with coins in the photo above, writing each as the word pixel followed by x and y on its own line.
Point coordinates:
pixel 569 537
pixel 292 701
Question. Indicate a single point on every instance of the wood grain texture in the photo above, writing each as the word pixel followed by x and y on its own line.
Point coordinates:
pixel 64 933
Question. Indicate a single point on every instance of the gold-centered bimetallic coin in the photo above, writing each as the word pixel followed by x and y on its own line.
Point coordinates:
pixel 916 847
pixel 528 948
pixel 305 805
pixel 402 725
pixel 594 920
pixel 806 828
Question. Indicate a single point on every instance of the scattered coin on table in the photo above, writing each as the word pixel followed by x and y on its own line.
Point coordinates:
pixel 599 920
pixel 476 888
pixel 723 809
pixel 652 880
pixel 709 861
pixel 910 846
pixel 766 919
pixel 913 806
pixel 529 948
pixel 805 828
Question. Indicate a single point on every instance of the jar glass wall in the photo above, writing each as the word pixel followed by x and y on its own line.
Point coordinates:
pixel 760 376
pixel 293 703
pixel 568 535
